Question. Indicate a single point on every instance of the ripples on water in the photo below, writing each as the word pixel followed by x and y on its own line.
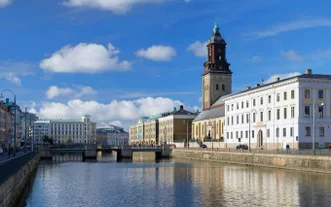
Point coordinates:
pixel 173 183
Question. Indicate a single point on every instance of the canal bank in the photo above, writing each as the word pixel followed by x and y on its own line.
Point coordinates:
pixel 14 176
pixel 321 164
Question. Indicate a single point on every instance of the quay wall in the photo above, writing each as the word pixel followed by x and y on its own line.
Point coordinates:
pixel 292 162
pixel 21 169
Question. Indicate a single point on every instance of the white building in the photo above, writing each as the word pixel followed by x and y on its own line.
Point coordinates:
pixel 40 129
pixel 120 138
pixel 62 130
pixel 293 111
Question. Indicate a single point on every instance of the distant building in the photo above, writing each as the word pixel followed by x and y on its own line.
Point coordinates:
pixel 119 138
pixel 112 135
pixel 168 127
pixel 6 125
pixel 40 129
pixel 61 130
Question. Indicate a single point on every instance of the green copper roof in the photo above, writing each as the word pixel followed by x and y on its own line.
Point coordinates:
pixel 216 29
pixel 66 120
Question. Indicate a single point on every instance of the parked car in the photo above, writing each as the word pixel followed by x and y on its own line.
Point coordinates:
pixel 1 151
pixel 242 146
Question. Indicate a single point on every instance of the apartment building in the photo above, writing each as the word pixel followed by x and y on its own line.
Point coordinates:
pixel 293 111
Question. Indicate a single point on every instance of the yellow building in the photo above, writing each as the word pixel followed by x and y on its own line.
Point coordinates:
pixel 216 83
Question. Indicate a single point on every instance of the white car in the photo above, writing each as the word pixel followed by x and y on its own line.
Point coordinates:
pixel 1 151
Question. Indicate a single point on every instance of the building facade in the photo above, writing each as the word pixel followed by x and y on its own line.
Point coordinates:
pixel 291 112
pixel 62 130
pixel 119 138
pixel 216 83
pixel 6 125
pixel 40 129
pixel 165 128
pixel 176 126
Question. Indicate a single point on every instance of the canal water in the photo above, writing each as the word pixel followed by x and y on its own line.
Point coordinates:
pixel 146 182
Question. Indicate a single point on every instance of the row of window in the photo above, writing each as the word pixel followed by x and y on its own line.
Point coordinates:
pixel 261 101
pixel 240 134
pixel 307 111
pixel 261 116
pixel 320 93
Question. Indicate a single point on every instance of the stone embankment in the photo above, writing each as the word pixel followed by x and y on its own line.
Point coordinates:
pixel 15 174
pixel 292 162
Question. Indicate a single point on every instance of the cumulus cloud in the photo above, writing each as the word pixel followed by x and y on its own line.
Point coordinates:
pixel 198 48
pixel 84 58
pixel 115 6
pixel 291 55
pixel 281 76
pixel 123 111
pixel 11 77
pixel 157 53
pixel 4 3
pixel 77 92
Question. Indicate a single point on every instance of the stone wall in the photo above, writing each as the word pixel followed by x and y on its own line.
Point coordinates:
pixel 11 190
pixel 293 162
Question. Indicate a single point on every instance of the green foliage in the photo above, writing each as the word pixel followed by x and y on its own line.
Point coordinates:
pixel 69 140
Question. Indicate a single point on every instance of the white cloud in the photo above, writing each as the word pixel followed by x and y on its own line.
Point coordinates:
pixel 198 48
pixel 291 26
pixel 84 58
pixel 115 6
pixel 291 55
pixel 257 58
pixel 4 3
pixel 13 71
pixel 55 91
pixel 123 111
pixel 77 92
pixel 281 76
pixel 11 77
pixel 157 53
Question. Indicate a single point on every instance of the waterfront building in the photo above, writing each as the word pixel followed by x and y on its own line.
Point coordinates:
pixel 176 126
pixel 292 112
pixel 284 113
pixel 41 128
pixel 63 130
pixel 6 125
pixel 216 82
pixel 26 126
pixel 168 127
pixel 118 138
pixel 112 135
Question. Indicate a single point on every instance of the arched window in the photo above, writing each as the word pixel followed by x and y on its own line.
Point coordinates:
pixel 223 87
pixel 217 87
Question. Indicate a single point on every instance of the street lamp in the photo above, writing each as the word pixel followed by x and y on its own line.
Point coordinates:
pixel 212 129
pixel 249 129
pixel 1 96
pixel 314 123
pixel 187 140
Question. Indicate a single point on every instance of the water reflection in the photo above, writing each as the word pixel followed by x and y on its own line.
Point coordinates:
pixel 173 183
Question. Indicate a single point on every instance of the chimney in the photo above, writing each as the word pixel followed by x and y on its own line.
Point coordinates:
pixel 257 85
pixel 309 72
pixel 7 101
pixel 175 109
pixel 181 107
pixel 278 79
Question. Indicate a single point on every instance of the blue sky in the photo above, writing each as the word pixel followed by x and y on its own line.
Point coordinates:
pixel 118 60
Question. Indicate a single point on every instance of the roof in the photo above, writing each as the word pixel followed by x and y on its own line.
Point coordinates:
pixel 42 122
pixel 302 76
pixel 66 120
pixel 108 130
pixel 210 114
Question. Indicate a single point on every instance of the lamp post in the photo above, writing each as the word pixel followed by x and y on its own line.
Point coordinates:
pixel 314 125
pixel 249 129
pixel 1 96
pixel 187 140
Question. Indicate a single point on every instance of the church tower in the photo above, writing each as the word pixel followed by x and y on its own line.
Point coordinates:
pixel 217 76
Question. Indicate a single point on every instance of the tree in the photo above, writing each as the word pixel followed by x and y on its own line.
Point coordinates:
pixel 69 140
pixel 45 139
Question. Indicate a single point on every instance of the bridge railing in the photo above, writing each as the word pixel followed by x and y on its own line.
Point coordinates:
pixel 10 166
